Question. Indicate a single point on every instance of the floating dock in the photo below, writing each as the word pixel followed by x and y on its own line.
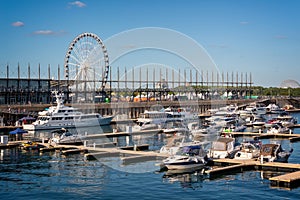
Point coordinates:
pixel 290 180
pixel 227 166
pixel 292 137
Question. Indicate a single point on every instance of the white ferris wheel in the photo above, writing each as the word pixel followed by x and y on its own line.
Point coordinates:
pixel 86 64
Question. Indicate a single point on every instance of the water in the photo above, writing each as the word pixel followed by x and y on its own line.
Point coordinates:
pixel 30 175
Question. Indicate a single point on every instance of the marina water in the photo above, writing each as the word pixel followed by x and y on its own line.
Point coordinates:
pixel 31 175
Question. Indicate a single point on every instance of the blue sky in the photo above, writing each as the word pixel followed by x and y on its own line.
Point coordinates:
pixel 257 36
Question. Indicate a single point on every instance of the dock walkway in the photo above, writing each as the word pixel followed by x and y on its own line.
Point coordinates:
pixel 292 137
pixel 289 180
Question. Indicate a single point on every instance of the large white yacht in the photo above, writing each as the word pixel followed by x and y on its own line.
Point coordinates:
pixel 61 116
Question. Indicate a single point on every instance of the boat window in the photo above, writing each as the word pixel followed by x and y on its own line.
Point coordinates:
pixel 57 118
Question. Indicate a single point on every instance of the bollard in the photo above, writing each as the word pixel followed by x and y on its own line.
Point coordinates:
pixel 290 131
pixel 259 131
pixel 85 143
pixel 94 145
pixel 134 147
pixel 261 159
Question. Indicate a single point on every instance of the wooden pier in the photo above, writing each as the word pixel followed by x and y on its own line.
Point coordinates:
pixel 292 137
pixel 227 166
pixel 290 180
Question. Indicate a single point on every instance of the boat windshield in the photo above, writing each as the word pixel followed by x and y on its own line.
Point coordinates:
pixel 190 150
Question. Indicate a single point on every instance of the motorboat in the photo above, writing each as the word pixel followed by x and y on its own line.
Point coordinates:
pixel 278 128
pixel 56 117
pixel 187 157
pixel 199 131
pixel 254 108
pixel 173 126
pixel 174 143
pixel 141 126
pixel 223 147
pixel 225 111
pixel 155 117
pixel 286 120
pixel 274 109
pixel 220 121
pixel 274 153
pixel 269 123
pixel 248 150
pixel 161 116
pixel 183 113
pixel 258 121
pixel 63 136
pixel 234 128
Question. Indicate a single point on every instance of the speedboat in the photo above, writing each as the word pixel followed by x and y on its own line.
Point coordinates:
pixel 187 157
pixel 278 128
pixel 56 117
pixel 258 121
pixel 286 120
pixel 274 153
pixel 176 142
pixel 198 131
pixel 248 150
pixel 274 109
pixel 173 126
pixel 223 147
pixel 63 136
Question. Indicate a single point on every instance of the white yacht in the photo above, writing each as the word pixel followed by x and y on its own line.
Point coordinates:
pixel 159 118
pixel 56 117
pixel 274 109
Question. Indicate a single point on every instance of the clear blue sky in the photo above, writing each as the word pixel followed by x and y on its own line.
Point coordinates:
pixel 257 36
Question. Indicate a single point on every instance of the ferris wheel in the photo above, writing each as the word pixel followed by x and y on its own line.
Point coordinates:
pixel 86 64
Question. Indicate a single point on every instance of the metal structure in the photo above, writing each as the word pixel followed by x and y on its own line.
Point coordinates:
pixel 86 66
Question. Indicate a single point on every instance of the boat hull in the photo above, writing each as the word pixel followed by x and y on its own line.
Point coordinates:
pixel 184 166
pixel 69 124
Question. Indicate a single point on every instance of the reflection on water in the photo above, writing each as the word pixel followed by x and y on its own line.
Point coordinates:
pixel 193 180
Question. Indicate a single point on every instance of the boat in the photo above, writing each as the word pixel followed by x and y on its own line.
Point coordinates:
pixel 254 108
pixel 31 145
pixel 175 142
pixel 187 157
pixel 248 150
pixel 174 126
pixel 56 117
pixel 274 153
pixel 278 128
pixel 274 109
pixel 63 136
pixel 258 121
pixel 183 113
pixel 141 126
pixel 153 117
pixel 223 147
pixel 198 131
pixel 286 120
pixel 161 116
pixel 269 123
